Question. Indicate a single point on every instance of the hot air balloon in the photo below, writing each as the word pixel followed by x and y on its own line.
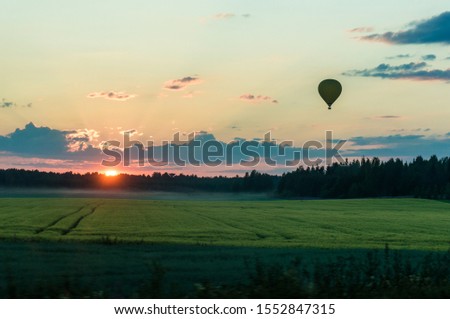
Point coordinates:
pixel 330 90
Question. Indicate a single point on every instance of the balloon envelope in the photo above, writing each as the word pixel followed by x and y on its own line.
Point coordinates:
pixel 330 90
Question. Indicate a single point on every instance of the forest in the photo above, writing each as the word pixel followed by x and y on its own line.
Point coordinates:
pixel 423 178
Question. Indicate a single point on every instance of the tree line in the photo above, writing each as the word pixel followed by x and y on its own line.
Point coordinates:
pixel 371 178
pixel 250 182
pixel 425 178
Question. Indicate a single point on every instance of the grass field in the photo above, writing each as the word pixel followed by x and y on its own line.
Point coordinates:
pixel 122 248
pixel 338 224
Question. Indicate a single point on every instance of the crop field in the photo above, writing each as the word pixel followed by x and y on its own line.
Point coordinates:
pixel 401 223
pixel 116 248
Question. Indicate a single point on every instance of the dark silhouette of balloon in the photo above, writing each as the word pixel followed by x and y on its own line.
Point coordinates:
pixel 330 90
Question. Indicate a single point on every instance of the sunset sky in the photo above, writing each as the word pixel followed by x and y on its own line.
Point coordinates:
pixel 83 72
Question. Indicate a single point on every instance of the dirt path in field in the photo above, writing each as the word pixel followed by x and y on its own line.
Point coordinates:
pixel 78 221
pixel 53 223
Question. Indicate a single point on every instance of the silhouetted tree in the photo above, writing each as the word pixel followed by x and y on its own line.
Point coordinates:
pixel 371 178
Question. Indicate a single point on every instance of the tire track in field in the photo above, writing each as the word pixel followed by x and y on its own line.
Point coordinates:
pixel 53 223
pixel 216 221
pixel 78 221
pixel 253 231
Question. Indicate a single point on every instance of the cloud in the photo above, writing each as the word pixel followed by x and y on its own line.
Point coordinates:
pixel 4 104
pixel 131 133
pixel 399 56
pixel 54 165
pixel 111 95
pixel 433 30
pixel 257 98
pixel 410 71
pixel 387 117
pixel 361 30
pixel 7 104
pixel 429 57
pixel 408 145
pixel 393 140
pixel 34 147
pixel 35 140
pixel 44 142
pixel 181 84
pixel 229 15
pixel 398 146
pixel 411 130
pixel 224 16
pixel 81 139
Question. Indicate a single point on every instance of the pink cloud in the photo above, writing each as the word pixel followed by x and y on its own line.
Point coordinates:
pixel 181 84
pixel 111 95
pixel 361 30
pixel 257 98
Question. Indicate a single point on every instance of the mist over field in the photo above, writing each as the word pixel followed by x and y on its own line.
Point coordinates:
pixel 123 194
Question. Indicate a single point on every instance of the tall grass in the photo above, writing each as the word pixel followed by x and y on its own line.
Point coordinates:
pixel 376 274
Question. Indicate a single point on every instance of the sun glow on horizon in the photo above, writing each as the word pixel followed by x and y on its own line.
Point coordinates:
pixel 111 173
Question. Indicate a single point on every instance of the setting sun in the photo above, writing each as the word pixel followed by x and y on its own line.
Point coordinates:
pixel 111 173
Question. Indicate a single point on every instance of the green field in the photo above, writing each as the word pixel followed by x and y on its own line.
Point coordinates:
pixel 131 248
pixel 339 224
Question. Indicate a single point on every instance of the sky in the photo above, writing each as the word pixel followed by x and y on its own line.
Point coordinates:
pixel 76 74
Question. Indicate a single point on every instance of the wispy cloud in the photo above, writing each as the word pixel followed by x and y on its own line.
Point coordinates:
pixel 398 145
pixel 229 15
pixel 4 104
pixel 429 57
pixel 257 98
pixel 399 56
pixel 131 133
pixel 388 117
pixel 433 30
pixel 361 30
pixel 224 15
pixel 182 83
pixel 111 95
pixel 7 104
pixel 409 71
pixel 399 130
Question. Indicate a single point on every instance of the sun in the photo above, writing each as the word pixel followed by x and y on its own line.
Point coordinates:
pixel 111 173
